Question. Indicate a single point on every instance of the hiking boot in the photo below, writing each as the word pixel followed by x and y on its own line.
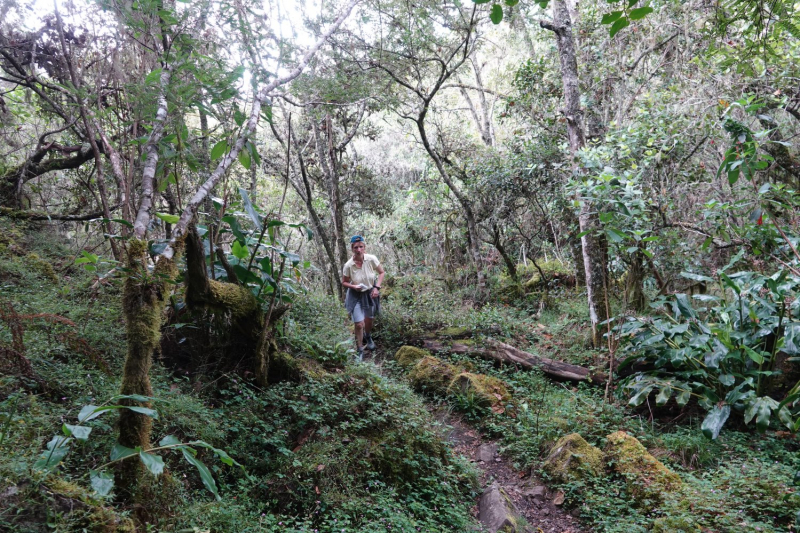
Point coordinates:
pixel 370 344
pixel 359 355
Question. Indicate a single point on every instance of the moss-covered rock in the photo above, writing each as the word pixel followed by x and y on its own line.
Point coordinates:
pixel 41 266
pixel 433 374
pixel 490 391
pixel 647 477
pixel 674 525
pixel 573 458
pixel 96 518
pixel 407 356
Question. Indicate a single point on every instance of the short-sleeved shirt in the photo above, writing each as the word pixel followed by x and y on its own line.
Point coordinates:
pixel 365 274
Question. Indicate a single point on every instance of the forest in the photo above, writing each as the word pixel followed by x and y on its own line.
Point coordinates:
pixel 579 308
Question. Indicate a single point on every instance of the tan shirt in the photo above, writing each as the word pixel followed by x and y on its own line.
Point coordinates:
pixel 366 274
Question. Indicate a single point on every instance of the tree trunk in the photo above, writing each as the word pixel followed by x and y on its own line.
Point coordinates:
pixel 144 296
pixel 593 249
pixel 634 292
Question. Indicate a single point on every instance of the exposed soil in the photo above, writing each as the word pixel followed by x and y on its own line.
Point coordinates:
pixel 533 500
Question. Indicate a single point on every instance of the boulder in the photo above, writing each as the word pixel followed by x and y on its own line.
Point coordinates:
pixel 647 477
pixel 572 458
pixel 409 355
pixel 488 390
pixel 487 451
pixel 496 511
pixel 432 374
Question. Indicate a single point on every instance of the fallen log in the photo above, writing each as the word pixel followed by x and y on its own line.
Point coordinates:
pixel 551 367
pixel 500 351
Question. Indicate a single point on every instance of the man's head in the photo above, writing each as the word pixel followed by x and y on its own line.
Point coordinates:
pixel 357 241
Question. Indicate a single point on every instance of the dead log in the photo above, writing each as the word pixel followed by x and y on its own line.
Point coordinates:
pixel 500 351
pixel 557 369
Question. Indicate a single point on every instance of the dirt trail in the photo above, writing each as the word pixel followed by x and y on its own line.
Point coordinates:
pixel 533 500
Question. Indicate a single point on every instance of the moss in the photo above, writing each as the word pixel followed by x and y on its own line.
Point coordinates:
pixel 454 332
pixel 409 355
pixel 433 374
pixel 647 477
pixel 674 525
pixel 491 391
pixel 99 518
pixel 41 266
pixel 573 458
pixel 234 298
pixel 311 369
pixel 283 367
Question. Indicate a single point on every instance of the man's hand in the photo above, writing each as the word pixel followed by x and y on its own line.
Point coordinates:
pixel 374 293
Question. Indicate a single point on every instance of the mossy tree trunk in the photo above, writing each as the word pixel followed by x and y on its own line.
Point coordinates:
pixel 634 290
pixel 143 299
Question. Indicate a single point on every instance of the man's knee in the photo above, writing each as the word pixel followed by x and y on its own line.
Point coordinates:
pixel 359 325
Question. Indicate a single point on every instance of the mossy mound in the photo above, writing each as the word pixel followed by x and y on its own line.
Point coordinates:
pixel 94 516
pixel 490 391
pixel 454 332
pixel 433 374
pixel 284 367
pixel 407 356
pixel 42 267
pixel 647 477
pixel 674 525
pixel 573 458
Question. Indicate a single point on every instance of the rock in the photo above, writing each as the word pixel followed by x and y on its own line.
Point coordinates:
pixel 488 391
pixel 408 355
pixel 573 458
pixel 576 513
pixel 497 512
pixel 537 493
pixel 559 498
pixel 433 375
pixel 647 477
pixel 486 452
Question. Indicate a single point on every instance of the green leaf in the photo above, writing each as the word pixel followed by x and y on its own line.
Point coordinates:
pixel 618 25
pixel 79 432
pixel 497 13
pixel 102 482
pixel 218 150
pixel 761 409
pixel 56 450
pixel 251 210
pixel 244 159
pixel 615 235
pixel 169 440
pixel 684 307
pixel 664 394
pixel 608 18
pixel 481 1
pixel 169 219
pixel 754 355
pixel 240 251
pixel 511 3
pixel 121 452
pixel 714 421
pixel 205 474
pixel 153 462
pixel 683 397
pixel 640 13
pixel 88 412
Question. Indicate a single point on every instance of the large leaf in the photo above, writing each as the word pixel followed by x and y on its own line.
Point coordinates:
pixel 56 450
pixel 244 159
pixel 169 440
pixel 153 462
pixel 79 432
pixel 121 452
pixel 683 306
pixel 219 149
pixel 205 473
pixel 618 25
pixel 102 482
pixel 248 206
pixel 640 13
pixel 608 18
pixel 715 419
pixel 169 219
pixel 240 251
pixel 496 14
pixel 761 409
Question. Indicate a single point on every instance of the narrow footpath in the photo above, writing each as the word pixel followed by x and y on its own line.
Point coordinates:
pixel 539 507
